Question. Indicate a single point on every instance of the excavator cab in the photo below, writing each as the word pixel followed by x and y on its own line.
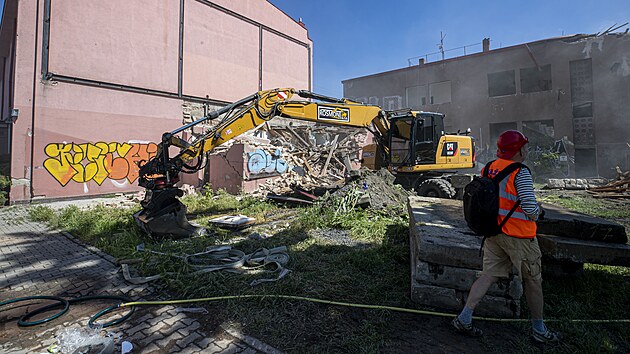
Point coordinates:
pixel 414 137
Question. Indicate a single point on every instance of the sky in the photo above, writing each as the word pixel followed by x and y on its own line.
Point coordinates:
pixel 353 38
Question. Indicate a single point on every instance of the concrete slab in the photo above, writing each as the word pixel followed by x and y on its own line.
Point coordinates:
pixel 453 301
pixel 582 251
pixel 562 222
pixel 439 233
pixel 462 279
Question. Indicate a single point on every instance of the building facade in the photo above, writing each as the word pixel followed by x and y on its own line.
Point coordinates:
pixel 569 95
pixel 88 87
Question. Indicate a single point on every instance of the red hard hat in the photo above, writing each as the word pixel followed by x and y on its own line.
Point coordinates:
pixel 509 143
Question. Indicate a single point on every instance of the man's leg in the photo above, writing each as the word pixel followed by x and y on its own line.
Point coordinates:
pixel 534 296
pixel 463 322
pixel 479 289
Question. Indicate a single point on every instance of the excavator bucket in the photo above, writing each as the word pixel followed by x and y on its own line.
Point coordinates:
pixel 164 216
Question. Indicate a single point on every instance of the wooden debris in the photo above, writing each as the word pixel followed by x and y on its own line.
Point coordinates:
pixel 322 154
pixel 617 188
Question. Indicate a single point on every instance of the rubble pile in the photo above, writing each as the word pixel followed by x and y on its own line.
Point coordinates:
pixel 379 190
pixel 318 156
pixel 618 188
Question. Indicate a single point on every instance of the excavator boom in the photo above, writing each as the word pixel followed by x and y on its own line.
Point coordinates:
pixel 163 215
pixel 411 144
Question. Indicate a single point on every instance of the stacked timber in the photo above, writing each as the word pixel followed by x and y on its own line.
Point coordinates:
pixel 445 261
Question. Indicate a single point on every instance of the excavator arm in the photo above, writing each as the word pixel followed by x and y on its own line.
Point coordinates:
pixel 163 215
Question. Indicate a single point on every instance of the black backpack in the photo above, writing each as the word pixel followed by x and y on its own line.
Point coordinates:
pixel 481 202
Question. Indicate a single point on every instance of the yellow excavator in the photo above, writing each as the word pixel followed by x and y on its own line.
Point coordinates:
pixel 412 145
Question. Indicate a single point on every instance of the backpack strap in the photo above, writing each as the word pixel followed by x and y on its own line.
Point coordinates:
pixel 507 171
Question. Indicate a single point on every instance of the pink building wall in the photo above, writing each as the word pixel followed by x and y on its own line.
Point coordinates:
pixel 94 104
pixel 230 171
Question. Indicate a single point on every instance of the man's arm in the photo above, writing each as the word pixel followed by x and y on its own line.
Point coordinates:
pixel 525 188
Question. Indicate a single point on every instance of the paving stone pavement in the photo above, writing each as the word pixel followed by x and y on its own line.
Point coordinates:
pixel 37 261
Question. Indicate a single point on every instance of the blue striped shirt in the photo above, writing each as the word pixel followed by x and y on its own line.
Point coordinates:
pixel 524 184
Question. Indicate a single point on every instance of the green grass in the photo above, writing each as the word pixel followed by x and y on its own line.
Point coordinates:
pixel 374 272
pixel 589 205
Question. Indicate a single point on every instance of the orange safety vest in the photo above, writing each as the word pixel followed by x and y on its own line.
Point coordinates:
pixel 518 225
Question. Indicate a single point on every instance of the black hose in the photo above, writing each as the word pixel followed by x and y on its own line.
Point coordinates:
pixel 23 321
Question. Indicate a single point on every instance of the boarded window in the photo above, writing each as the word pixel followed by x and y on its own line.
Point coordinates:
pixel 416 96
pixel 536 79
pixel 440 92
pixel 501 83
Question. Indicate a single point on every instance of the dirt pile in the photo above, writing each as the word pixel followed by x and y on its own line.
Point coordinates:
pixel 374 189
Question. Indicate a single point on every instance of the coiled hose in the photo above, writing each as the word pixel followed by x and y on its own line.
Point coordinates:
pixel 65 305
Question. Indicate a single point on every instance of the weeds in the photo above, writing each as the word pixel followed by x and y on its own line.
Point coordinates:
pixel 376 274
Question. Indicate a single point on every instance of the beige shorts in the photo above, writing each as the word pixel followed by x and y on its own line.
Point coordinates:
pixel 502 252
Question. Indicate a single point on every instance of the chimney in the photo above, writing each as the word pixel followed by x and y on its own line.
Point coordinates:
pixel 486 44
pixel 301 23
pixel 421 62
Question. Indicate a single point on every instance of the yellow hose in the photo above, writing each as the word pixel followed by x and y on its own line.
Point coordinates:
pixel 339 303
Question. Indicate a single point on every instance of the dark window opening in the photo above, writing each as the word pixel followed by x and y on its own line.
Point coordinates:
pixel 583 110
pixel 501 83
pixel 496 129
pixel 536 79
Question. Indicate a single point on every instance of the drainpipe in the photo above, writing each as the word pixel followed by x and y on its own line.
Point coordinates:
pixel 31 190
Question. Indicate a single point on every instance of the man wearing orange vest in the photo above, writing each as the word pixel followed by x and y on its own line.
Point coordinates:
pixel 517 244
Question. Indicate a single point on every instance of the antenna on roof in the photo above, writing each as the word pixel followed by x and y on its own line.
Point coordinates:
pixel 441 45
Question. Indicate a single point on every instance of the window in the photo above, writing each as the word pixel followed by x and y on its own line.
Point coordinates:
pixel 539 127
pixel 501 83
pixel 391 103
pixel 440 92
pixel 536 79
pixel 416 96
pixel 581 74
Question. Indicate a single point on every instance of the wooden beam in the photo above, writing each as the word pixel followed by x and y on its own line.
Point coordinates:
pixel 330 153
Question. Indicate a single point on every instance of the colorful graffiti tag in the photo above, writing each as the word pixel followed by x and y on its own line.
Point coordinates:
pixel 96 161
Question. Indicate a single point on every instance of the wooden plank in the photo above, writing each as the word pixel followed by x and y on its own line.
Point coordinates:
pixel 297 136
pixel 330 153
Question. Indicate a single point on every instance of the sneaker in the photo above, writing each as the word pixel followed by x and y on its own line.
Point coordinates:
pixel 467 329
pixel 547 337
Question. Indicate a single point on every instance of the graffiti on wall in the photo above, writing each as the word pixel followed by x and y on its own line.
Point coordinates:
pixel 260 161
pixel 96 161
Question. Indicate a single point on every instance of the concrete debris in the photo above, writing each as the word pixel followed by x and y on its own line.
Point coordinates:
pixel 445 261
pixel 234 222
pixel 618 188
pixel 562 222
pixel 188 189
pixel 445 253
pixel 579 252
pixel 574 183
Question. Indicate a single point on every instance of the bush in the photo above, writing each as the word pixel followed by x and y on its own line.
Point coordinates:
pixel 5 184
pixel 544 164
